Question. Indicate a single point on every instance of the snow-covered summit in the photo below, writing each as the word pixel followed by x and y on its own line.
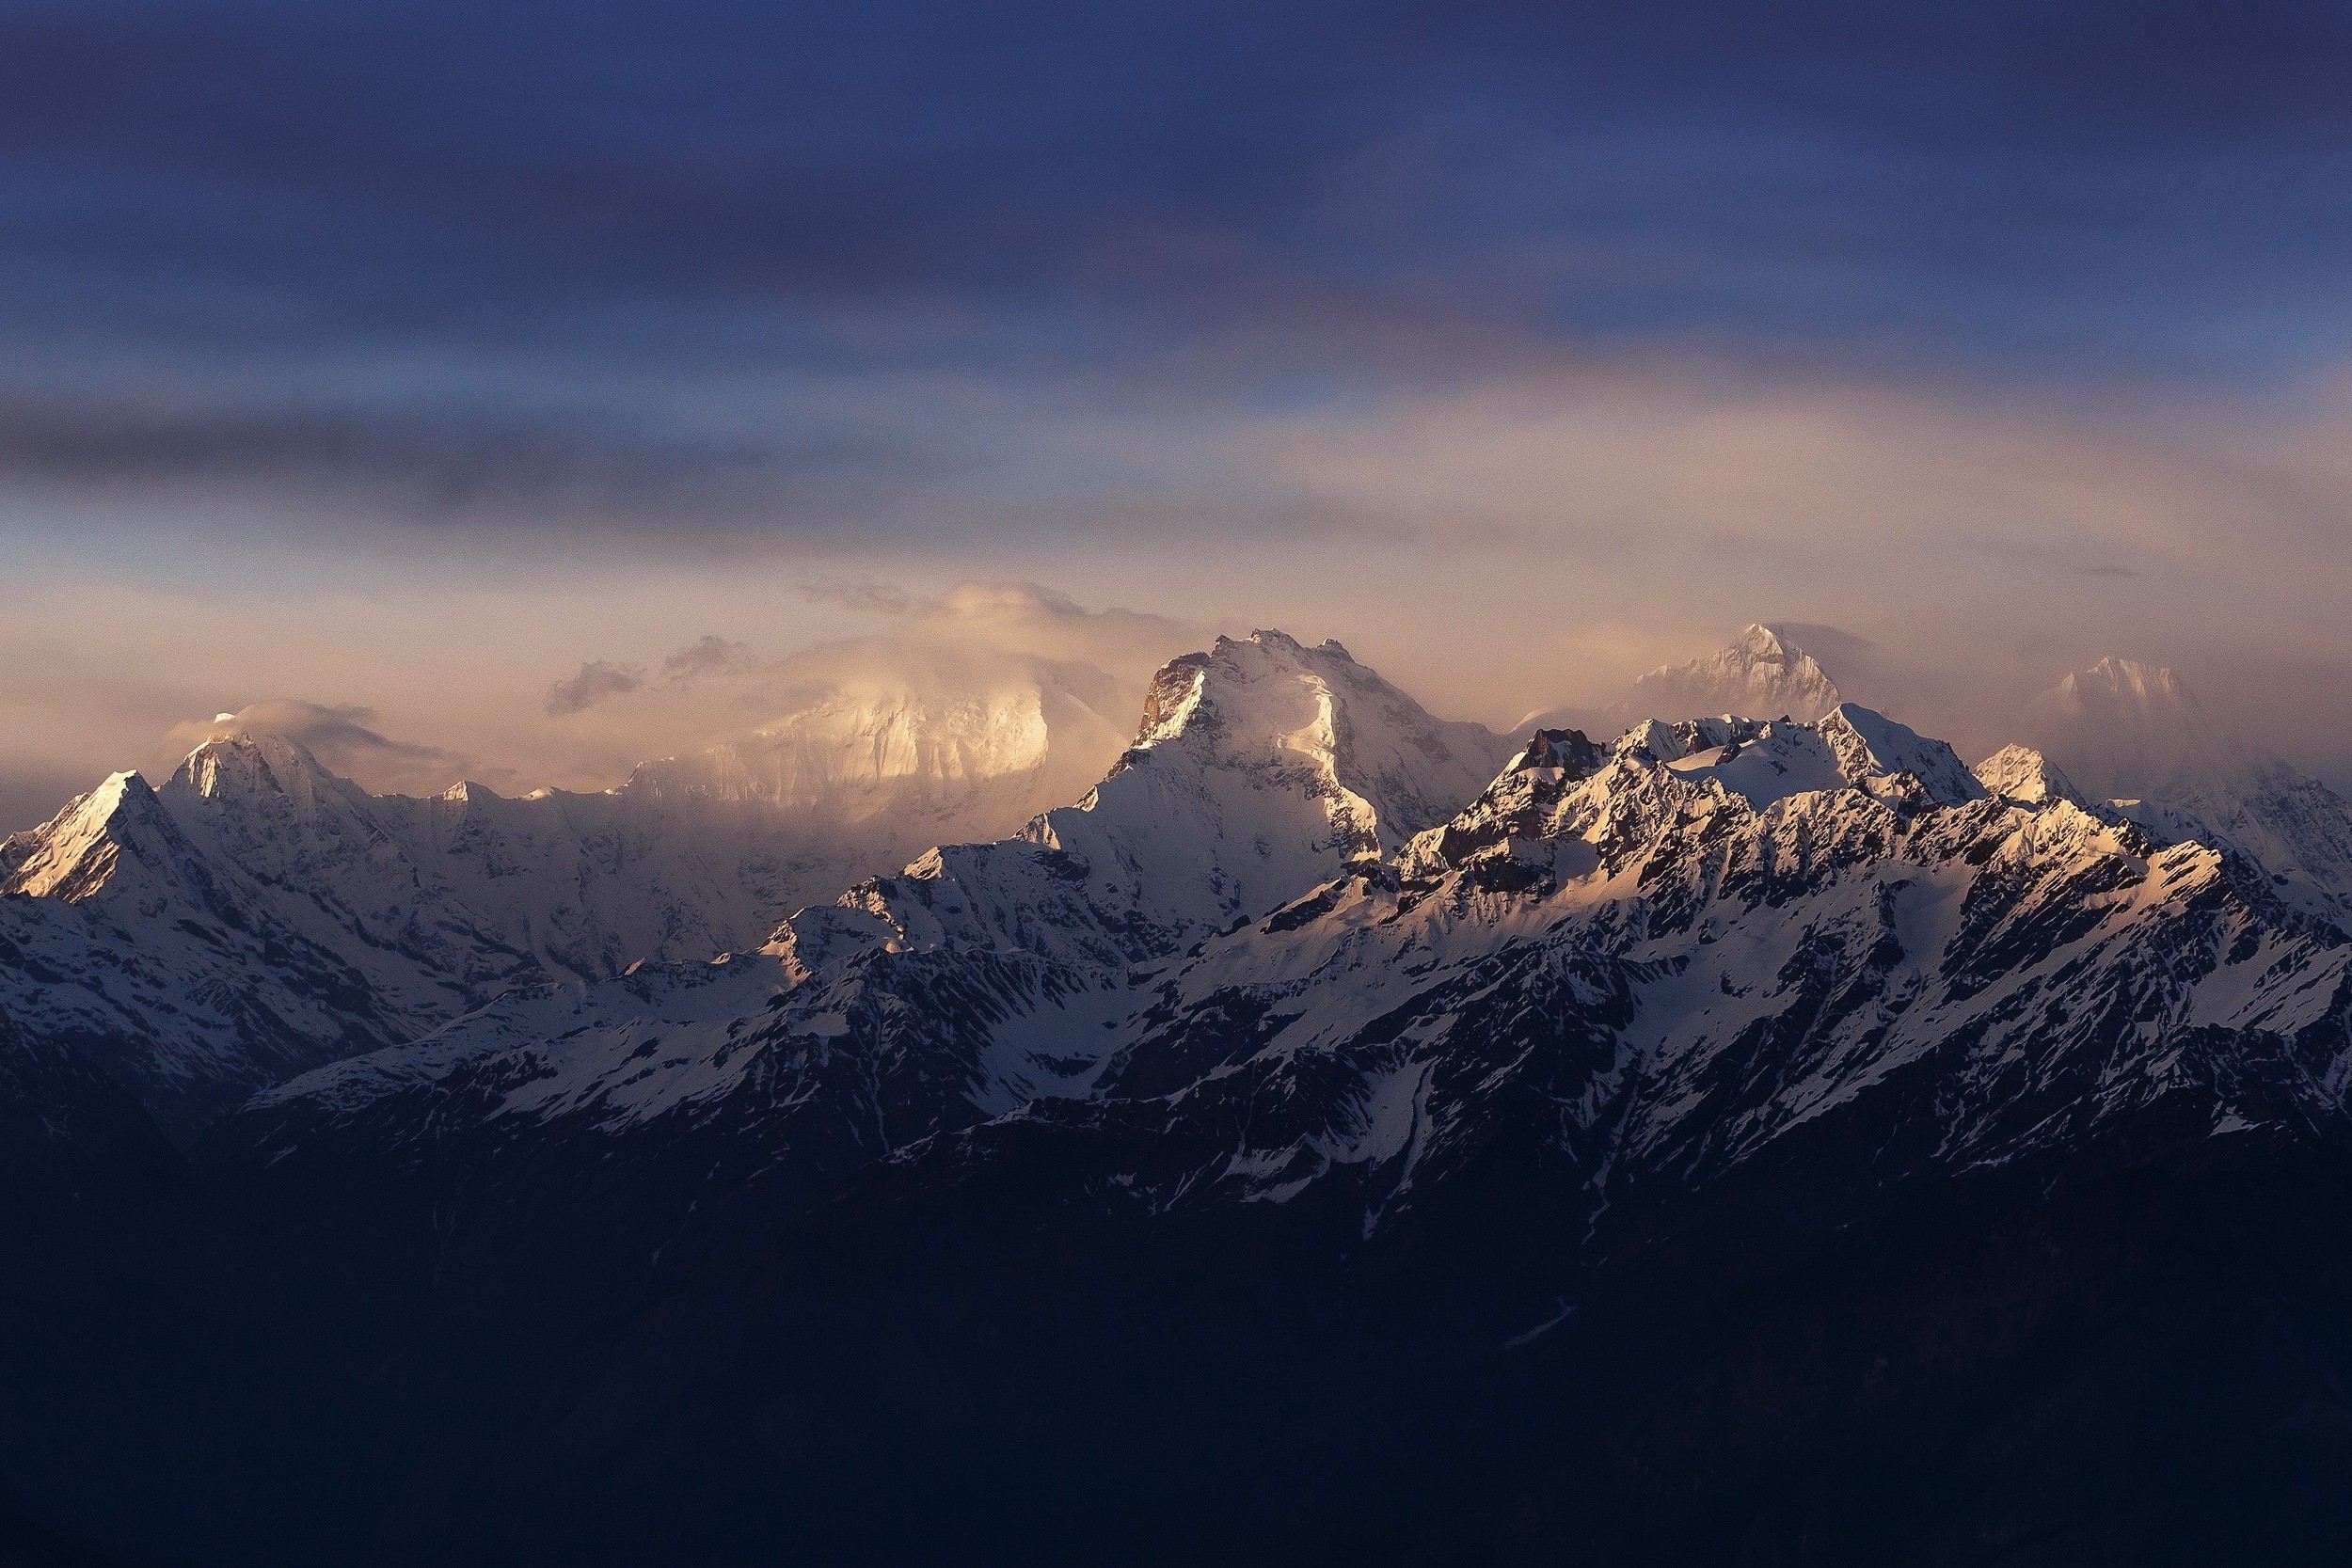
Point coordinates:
pixel 2022 774
pixel 1375 765
pixel 1761 674
pixel 1767 760
pixel 248 765
pixel 77 852
pixel 2123 729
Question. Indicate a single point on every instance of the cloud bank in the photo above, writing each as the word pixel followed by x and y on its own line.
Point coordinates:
pixel 383 356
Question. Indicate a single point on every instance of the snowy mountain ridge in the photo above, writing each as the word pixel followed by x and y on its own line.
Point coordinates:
pixel 1219 980
pixel 1752 1065
pixel 1261 769
pixel 258 914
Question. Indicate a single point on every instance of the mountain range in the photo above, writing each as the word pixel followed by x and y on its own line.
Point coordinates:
pixel 1339 1134
pixel 258 914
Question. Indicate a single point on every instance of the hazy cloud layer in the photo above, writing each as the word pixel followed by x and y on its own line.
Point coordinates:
pixel 594 682
pixel 1475 642
pixel 385 355
pixel 873 597
pixel 897 272
pixel 710 656
pixel 599 680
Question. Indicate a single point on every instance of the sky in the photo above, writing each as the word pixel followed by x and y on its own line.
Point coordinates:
pixel 406 365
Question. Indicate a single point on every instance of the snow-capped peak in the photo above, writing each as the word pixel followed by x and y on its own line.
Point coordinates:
pixel 2022 774
pixel 1383 764
pixel 251 765
pixel 1263 767
pixel 1761 674
pixel 2124 728
pixel 75 852
pixel 1876 754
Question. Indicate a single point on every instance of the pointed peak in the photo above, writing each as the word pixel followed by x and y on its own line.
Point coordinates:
pixel 113 795
pixel 1877 752
pixel 1570 750
pixel 1761 674
pixel 73 854
pixel 129 784
pixel 248 761
pixel 2127 728
pixel 2022 774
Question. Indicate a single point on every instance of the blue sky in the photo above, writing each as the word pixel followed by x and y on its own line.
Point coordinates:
pixel 1265 311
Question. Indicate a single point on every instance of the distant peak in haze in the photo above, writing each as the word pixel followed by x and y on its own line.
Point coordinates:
pixel 2133 732
pixel 1762 674
pixel 2124 728
pixel 2128 685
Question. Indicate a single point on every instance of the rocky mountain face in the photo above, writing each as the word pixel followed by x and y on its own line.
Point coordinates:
pixel 1331 1139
